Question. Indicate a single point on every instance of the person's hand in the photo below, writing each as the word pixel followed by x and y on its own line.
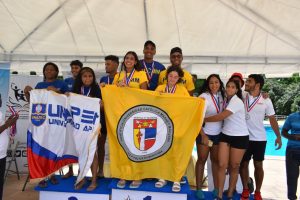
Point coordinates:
pixel 27 89
pixel 67 94
pixel 11 120
pixel 278 143
pixel 102 84
pixel 121 84
pixel 265 95
pixel 54 89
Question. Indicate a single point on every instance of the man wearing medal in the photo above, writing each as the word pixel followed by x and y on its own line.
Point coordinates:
pixel 176 61
pixel 256 108
pixel 151 67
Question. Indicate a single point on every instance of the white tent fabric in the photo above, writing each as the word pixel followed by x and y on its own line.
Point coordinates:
pixel 219 36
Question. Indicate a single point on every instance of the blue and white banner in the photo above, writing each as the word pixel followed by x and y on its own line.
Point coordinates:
pixel 4 82
pixel 62 130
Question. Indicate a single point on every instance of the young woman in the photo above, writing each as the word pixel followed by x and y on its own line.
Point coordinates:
pixel 131 75
pixel 173 76
pixel 213 93
pixel 234 139
pixel 85 84
pixel 50 71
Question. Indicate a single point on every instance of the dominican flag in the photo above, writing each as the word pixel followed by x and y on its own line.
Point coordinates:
pixel 144 133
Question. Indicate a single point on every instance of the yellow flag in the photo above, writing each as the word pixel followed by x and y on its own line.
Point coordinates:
pixel 151 135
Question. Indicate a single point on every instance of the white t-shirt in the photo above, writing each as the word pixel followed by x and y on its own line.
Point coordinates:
pixel 212 128
pixel 255 116
pixel 4 139
pixel 235 124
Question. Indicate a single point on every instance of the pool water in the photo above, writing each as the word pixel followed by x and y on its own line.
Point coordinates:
pixel 270 149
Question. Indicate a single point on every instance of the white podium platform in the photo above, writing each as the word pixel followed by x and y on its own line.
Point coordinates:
pixel 147 191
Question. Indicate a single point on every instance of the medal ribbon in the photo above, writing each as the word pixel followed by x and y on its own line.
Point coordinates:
pixel 216 102
pixel 82 91
pixel 13 128
pixel 170 90
pixel 149 74
pixel 251 106
pixel 127 79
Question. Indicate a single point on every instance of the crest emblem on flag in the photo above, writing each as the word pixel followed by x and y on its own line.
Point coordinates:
pixel 144 133
pixel 38 114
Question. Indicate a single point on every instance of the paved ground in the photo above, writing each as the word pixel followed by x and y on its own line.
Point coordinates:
pixel 274 186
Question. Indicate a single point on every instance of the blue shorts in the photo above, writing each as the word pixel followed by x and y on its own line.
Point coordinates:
pixel 213 138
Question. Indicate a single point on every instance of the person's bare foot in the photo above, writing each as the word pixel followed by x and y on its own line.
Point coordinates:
pixel 79 185
pixel 92 186
pixel 68 175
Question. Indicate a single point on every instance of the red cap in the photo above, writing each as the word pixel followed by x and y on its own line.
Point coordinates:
pixel 237 74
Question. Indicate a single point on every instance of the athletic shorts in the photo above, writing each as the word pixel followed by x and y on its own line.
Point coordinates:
pixel 256 150
pixel 238 142
pixel 213 138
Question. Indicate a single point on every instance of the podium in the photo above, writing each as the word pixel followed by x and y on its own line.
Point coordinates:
pixel 148 191
pixel 65 190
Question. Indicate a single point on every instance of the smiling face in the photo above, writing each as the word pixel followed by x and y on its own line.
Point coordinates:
pixel 173 78
pixel 176 59
pixel 129 61
pixel 214 84
pixel 250 85
pixel 231 89
pixel 75 69
pixel 149 52
pixel 87 78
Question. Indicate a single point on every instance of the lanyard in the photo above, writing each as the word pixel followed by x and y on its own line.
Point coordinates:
pixel 170 89
pixel 127 79
pixel 83 93
pixel 216 102
pixel 149 74
pixel 249 106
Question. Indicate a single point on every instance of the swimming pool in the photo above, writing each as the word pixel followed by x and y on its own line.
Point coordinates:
pixel 270 149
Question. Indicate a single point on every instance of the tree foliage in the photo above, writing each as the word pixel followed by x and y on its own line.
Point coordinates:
pixel 285 93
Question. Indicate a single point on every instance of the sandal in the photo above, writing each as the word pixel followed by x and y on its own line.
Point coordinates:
pixel 160 183
pixel 176 187
pixel 43 184
pixel 121 183
pixel 182 180
pixel 135 184
pixel 54 180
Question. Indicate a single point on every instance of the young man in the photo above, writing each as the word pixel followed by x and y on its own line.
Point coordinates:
pixel 111 67
pixel 76 66
pixel 151 67
pixel 4 141
pixel 176 60
pixel 256 108
pixel 292 155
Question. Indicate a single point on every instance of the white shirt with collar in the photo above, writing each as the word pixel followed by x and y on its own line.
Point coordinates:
pixel 255 116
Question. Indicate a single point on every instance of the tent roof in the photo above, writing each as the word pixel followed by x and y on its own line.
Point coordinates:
pixel 210 31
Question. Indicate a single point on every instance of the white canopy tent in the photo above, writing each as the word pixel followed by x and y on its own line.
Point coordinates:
pixel 217 36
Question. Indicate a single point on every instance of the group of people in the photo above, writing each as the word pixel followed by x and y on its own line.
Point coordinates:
pixel 233 132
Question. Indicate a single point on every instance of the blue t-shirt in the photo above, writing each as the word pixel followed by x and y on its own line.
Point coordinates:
pixel 157 67
pixel 106 80
pixel 292 123
pixel 70 83
pixel 58 84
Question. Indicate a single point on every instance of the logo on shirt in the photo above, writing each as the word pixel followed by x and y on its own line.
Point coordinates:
pixel 145 132
pixel 38 114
